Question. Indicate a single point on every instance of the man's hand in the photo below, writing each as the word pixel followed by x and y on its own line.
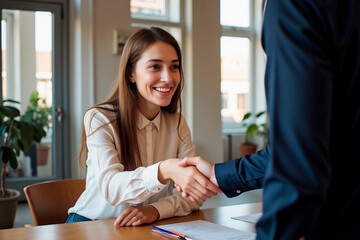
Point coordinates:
pixel 189 179
pixel 205 167
pixel 135 216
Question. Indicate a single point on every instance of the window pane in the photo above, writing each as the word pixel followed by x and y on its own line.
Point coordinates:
pixel 235 13
pixel 43 48
pixel 234 78
pixel 148 7
pixel 27 41
pixel 160 10
pixel 3 55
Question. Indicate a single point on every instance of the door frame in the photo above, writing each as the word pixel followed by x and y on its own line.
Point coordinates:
pixel 60 88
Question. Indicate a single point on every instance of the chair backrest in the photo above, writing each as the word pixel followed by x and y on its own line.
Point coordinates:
pixel 50 201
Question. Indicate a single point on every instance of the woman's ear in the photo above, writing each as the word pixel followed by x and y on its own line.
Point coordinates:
pixel 132 78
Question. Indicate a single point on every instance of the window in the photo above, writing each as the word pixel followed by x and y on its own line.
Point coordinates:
pixel 161 13
pixel 4 57
pixel 235 13
pixel 43 48
pixel 234 76
pixel 236 53
pixel 148 7
pixel 161 10
pixel 42 24
pixel 7 49
pixel 34 71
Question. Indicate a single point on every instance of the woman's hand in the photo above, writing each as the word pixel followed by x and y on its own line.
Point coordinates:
pixel 189 179
pixel 135 216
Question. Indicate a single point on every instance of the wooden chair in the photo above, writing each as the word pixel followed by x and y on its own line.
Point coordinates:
pixel 49 201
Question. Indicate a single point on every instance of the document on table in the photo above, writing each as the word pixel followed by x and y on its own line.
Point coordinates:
pixel 252 218
pixel 203 230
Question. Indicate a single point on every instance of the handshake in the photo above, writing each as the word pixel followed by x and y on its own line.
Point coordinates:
pixel 195 178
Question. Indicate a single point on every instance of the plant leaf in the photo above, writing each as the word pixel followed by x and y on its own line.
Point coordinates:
pixel 252 129
pixel 4 160
pixel 246 116
pixel 9 100
pixel 9 111
pixel 13 160
pixel 260 114
pixel 8 155
pixel 26 135
pixel 16 146
pixel 34 97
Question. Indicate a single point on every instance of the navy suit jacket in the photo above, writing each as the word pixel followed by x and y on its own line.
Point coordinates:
pixel 310 170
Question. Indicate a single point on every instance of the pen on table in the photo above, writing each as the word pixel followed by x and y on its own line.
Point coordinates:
pixel 170 233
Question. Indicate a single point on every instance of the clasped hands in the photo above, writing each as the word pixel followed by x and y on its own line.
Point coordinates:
pixel 205 184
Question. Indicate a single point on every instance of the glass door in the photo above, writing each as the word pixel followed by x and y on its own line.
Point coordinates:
pixel 33 47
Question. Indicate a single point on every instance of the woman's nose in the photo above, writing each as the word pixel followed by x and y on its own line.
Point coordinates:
pixel 166 75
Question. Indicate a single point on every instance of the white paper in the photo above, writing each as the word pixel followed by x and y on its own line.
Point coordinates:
pixel 203 230
pixel 252 218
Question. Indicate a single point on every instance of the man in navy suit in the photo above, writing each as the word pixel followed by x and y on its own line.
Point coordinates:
pixel 310 170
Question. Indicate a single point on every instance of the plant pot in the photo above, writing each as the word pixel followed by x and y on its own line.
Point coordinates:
pixel 8 208
pixel 247 149
pixel 42 153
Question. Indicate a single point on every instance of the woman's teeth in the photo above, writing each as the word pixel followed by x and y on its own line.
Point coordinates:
pixel 163 89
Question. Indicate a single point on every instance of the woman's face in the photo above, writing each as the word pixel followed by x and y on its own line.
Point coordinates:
pixel 157 77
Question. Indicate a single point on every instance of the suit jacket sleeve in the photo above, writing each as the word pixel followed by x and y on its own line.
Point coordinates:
pixel 242 174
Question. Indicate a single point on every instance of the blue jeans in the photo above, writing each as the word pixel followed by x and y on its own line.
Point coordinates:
pixel 73 217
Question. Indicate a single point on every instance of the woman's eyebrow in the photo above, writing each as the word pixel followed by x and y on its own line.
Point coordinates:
pixel 159 60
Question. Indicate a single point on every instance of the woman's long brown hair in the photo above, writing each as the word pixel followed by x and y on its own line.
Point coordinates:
pixel 124 96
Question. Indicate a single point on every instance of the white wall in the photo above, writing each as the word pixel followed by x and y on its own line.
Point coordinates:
pixel 108 15
pixel 93 67
pixel 202 66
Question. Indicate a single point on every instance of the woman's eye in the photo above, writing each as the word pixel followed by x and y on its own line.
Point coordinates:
pixel 175 67
pixel 155 66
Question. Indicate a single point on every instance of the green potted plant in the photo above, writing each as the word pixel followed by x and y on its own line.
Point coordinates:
pixel 16 135
pixel 39 114
pixel 252 128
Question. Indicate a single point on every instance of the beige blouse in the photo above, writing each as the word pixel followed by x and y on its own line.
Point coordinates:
pixel 110 189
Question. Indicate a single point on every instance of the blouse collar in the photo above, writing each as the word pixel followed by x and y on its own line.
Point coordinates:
pixel 142 121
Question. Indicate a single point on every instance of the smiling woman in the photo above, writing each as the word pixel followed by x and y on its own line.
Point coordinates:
pixel 157 77
pixel 134 138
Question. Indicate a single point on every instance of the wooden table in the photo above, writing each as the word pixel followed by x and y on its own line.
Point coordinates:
pixel 104 229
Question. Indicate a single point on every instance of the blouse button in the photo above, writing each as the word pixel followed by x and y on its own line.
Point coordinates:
pixel 238 191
